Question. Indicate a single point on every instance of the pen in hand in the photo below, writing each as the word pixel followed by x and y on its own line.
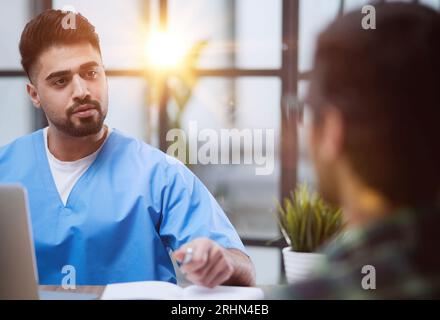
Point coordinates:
pixel 188 256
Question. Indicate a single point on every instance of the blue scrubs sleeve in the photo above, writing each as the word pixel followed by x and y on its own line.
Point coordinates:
pixel 189 211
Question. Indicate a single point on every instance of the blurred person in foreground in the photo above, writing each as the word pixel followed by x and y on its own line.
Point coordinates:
pixel 374 102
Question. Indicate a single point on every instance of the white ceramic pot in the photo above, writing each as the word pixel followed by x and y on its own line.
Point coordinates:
pixel 298 265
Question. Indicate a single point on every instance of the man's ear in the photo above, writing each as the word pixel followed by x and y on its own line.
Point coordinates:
pixel 332 134
pixel 33 94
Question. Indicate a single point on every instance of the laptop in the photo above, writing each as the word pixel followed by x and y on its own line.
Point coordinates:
pixel 18 268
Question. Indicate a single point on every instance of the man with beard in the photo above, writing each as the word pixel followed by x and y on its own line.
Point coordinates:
pixel 374 102
pixel 108 205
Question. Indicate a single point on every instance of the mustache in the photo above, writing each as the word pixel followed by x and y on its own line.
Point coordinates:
pixel 72 109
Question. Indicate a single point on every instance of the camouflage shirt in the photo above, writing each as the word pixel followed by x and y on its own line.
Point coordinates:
pixel 395 258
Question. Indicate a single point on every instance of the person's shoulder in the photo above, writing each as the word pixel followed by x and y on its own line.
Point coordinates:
pixel 143 151
pixel 136 146
pixel 20 144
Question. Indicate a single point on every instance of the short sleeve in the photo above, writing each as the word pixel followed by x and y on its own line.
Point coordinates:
pixel 189 211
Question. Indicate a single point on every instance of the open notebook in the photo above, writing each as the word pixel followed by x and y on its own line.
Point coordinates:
pixel 160 290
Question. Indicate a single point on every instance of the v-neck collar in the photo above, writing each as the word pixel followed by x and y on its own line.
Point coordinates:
pixel 44 167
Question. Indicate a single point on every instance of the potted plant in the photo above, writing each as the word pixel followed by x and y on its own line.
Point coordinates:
pixel 307 223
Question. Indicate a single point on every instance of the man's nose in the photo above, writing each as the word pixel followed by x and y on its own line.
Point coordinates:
pixel 80 90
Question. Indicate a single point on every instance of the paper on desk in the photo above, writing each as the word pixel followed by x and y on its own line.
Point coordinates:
pixel 159 290
pixel 223 293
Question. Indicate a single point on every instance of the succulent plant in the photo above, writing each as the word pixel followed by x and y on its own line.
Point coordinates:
pixel 307 221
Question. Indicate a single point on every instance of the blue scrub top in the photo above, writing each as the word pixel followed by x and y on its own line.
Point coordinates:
pixel 132 205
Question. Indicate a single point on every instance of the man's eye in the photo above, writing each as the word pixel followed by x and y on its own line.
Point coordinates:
pixel 60 82
pixel 91 74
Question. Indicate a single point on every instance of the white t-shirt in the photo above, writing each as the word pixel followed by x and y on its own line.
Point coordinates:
pixel 67 173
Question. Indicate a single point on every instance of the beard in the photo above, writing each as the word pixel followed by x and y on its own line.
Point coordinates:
pixel 86 126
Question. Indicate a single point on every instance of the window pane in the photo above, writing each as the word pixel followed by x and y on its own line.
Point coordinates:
pixel 13 18
pixel 250 105
pixel 127 112
pixel 356 4
pixel 350 5
pixel 435 4
pixel 267 264
pixel 254 24
pixel 259 33
pixel 15 109
pixel 314 16
pixel 119 26
pixel 197 20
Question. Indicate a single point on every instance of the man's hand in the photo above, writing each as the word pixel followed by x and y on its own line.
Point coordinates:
pixel 212 265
